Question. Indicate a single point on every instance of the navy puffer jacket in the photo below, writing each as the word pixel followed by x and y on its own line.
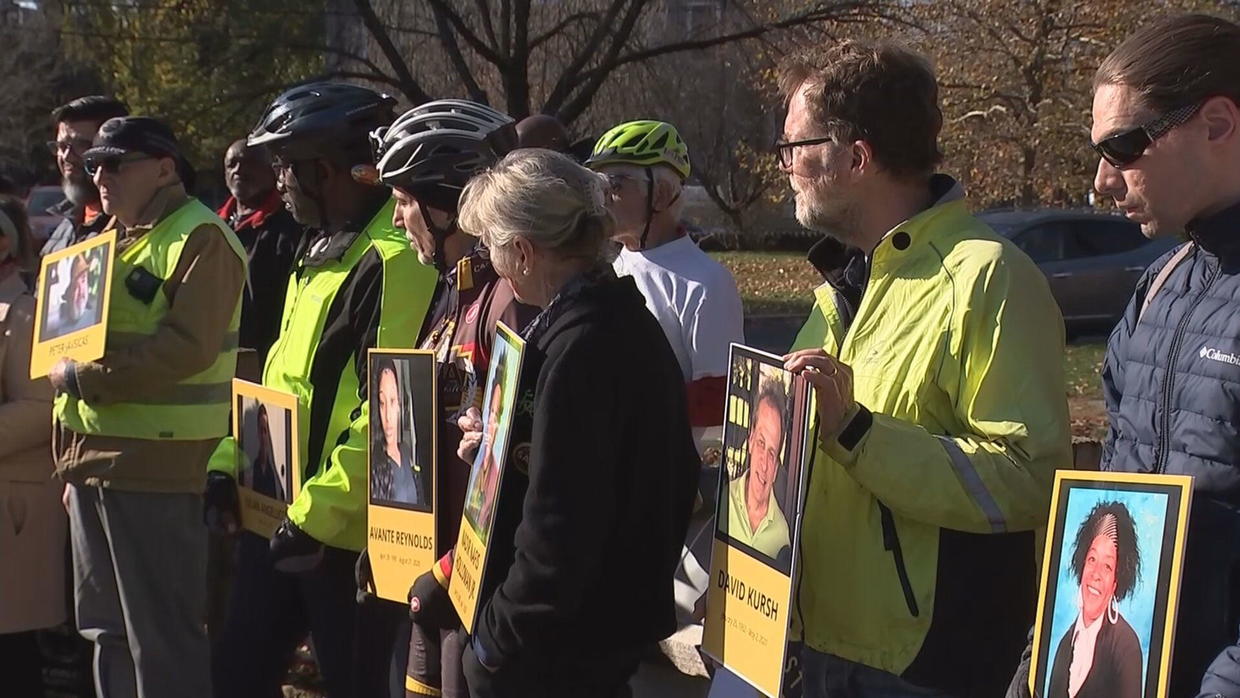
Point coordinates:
pixel 1172 387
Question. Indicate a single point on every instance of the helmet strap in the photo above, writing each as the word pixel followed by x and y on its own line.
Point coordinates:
pixel 440 236
pixel 649 208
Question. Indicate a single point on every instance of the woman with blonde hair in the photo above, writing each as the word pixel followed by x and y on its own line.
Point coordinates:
pixel 588 526
pixel 33 525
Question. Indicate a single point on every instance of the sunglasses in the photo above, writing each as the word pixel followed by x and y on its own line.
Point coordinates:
pixel 112 164
pixel 77 146
pixel 784 148
pixel 1123 149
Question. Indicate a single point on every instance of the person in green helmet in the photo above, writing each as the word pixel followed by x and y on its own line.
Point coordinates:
pixel 693 297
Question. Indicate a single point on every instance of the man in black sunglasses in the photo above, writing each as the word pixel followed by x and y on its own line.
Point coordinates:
pixel 1167 129
pixel 135 429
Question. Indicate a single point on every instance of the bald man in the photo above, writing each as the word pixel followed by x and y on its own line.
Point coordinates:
pixel 542 131
pixel 270 237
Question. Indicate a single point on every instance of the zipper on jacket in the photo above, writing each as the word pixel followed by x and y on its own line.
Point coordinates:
pixel 1177 340
pixel 891 541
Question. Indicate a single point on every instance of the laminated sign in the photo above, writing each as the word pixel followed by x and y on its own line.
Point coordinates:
pixel 486 477
pixel 762 480
pixel 1110 585
pixel 402 470
pixel 71 314
pixel 265 427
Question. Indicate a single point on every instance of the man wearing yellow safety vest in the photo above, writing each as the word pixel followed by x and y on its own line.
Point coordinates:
pixel 355 285
pixel 135 429
pixel 936 353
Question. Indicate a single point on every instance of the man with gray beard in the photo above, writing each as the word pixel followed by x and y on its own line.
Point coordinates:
pixel 936 352
pixel 76 124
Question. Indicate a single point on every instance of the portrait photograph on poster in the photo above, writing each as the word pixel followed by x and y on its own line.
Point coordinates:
pixel 1110 585
pixel 265 428
pixel 766 444
pixel 402 428
pixel 401 468
pixel 73 293
pixel 486 477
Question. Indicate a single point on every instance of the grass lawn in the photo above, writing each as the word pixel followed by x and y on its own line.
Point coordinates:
pixel 772 283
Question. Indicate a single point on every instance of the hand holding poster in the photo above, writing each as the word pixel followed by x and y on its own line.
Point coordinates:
pixel 268 473
pixel 402 469
pixel 71 317
pixel 761 491
pixel 1110 585
pixel 486 477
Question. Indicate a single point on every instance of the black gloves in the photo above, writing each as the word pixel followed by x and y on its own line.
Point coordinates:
pixel 429 605
pixel 364 576
pixel 293 550
pixel 221 511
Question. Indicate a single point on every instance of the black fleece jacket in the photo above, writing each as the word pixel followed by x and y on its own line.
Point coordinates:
pixel 598 488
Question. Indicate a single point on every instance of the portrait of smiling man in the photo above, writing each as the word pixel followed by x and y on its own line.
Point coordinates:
pixel 755 514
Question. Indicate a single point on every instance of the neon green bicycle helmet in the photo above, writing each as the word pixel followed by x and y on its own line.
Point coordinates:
pixel 642 143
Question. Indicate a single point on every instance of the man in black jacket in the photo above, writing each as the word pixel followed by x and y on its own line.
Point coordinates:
pixel 270 237
pixel 1167 127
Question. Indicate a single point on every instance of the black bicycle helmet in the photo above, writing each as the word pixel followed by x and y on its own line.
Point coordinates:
pixel 433 150
pixel 321 119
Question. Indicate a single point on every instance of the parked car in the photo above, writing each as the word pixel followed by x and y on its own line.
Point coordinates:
pixel 42 221
pixel 1092 259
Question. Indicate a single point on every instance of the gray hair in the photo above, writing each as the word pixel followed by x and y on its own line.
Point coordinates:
pixel 542 196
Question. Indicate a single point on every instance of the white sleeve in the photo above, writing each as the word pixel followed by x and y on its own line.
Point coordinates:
pixel 718 320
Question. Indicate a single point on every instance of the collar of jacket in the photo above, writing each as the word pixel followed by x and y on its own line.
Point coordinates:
pixel 270 206
pixel 1217 234
pixel 324 248
pixel 165 202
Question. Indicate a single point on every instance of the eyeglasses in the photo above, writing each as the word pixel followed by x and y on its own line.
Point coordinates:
pixel 77 146
pixel 615 181
pixel 784 148
pixel 1123 149
pixel 112 164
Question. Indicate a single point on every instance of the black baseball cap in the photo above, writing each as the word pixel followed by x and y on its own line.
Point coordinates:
pixel 134 134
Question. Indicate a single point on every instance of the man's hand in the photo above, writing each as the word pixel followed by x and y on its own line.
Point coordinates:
pixel 221 509
pixel 62 377
pixel 833 386
pixel 429 604
pixel 471 438
pixel 293 550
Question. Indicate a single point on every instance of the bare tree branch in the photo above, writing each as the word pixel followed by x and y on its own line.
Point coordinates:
pixel 404 79
pixel 448 40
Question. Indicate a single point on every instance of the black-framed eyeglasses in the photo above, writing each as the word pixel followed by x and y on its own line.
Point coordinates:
pixel 1123 149
pixel 784 148
pixel 112 163
pixel 77 146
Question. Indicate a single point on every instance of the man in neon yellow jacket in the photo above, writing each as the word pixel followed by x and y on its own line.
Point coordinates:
pixel 355 285
pixel 936 350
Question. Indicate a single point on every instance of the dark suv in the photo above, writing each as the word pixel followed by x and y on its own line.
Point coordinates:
pixel 1092 259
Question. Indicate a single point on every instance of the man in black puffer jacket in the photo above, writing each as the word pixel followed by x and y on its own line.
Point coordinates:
pixel 1167 125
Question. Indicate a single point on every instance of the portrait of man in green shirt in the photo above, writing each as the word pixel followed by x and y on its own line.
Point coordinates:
pixel 755 512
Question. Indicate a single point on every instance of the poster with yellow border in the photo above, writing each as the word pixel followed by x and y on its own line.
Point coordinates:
pixel 486 478
pixel 268 459
pixel 1111 583
pixel 766 445
pixel 402 471
pixel 71 315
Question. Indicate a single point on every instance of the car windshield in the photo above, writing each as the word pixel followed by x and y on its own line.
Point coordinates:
pixel 1005 228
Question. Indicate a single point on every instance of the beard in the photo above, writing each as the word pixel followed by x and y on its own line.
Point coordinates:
pixel 79 190
pixel 835 218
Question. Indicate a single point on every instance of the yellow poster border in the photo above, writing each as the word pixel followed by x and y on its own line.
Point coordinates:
pixel 92 340
pixel 469 570
pixel 421 522
pixel 261 514
pixel 1184 485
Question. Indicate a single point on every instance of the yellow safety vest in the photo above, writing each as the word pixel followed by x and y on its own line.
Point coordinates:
pixel 195 408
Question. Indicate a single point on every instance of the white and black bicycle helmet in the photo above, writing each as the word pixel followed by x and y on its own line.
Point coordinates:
pixel 433 150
